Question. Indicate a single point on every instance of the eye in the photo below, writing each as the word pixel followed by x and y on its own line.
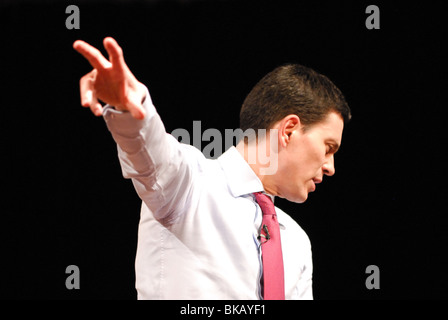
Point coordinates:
pixel 330 149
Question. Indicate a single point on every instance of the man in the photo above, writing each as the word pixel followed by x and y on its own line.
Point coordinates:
pixel 208 228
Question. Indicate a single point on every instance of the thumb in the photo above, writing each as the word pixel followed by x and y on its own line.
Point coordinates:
pixel 135 101
pixel 136 109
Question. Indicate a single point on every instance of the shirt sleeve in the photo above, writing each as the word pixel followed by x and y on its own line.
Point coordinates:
pixel 159 166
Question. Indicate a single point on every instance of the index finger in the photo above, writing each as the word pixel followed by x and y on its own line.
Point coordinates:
pixel 92 54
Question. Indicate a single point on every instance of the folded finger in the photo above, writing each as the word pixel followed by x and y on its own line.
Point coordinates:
pixel 86 88
pixel 95 106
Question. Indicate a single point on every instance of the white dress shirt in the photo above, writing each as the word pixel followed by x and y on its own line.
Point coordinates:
pixel 199 221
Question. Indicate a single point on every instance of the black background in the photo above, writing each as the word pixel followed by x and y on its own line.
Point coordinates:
pixel 64 200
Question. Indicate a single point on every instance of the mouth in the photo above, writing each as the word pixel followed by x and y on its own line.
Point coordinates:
pixel 314 182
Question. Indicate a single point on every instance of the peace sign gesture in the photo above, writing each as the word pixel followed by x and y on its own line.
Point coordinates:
pixel 110 81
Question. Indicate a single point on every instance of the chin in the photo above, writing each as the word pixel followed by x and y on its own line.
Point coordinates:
pixel 298 198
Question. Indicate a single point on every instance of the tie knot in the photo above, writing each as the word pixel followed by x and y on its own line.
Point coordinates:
pixel 265 203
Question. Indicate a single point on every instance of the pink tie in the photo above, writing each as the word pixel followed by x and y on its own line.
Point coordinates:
pixel 271 249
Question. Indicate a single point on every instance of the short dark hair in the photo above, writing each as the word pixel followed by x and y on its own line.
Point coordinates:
pixel 292 89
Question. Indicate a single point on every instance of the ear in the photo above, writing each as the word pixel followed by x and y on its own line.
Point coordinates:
pixel 286 127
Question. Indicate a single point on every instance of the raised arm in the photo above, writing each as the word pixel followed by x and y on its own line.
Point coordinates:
pixel 160 167
pixel 110 81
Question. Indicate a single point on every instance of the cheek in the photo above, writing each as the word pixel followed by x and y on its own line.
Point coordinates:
pixel 315 158
pixel 304 162
pixel 301 171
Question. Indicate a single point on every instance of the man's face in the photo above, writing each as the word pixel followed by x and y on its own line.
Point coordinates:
pixel 308 156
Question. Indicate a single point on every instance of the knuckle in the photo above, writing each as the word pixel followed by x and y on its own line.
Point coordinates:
pixel 88 77
pixel 83 80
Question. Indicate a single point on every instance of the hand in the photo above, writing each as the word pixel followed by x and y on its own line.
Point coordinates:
pixel 110 81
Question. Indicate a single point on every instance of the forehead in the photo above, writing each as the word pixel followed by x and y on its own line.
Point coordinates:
pixel 330 127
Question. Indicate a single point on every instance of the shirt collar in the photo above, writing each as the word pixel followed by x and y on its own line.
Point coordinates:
pixel 240 176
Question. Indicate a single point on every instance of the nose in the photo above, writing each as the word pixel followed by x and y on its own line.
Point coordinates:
pixel 328 167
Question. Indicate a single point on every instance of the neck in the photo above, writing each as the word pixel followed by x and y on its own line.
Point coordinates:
pixel 261 163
